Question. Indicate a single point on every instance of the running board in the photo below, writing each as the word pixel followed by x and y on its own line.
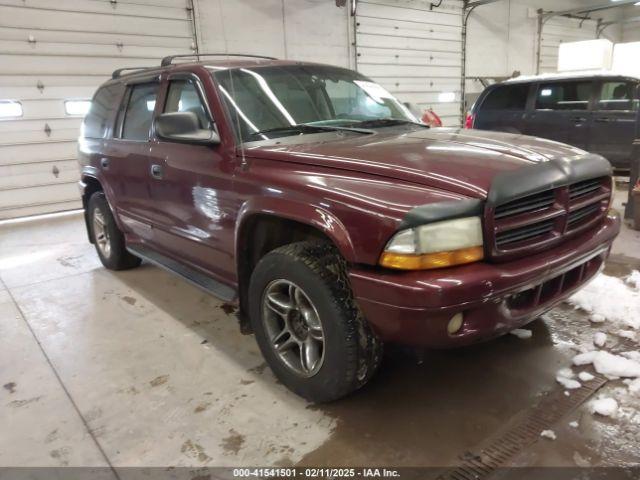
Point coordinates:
pixel 192 276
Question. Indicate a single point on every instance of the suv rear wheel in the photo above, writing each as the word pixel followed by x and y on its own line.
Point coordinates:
pixel 107 237
pixel 307 324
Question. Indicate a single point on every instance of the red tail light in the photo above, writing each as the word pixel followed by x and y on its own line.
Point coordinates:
pixel 429 117
pixel 468 123
pixel 436 119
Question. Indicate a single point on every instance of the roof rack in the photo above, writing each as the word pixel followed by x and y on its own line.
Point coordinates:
pixel 168 60
pixel 118 73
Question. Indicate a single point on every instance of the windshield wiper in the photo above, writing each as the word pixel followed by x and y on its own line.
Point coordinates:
pixel 386 122
pixel 308 128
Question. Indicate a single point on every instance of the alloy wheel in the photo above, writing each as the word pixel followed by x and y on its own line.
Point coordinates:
pixel 101 234
pixel 293 327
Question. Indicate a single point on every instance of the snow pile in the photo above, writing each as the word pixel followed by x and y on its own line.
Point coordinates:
pixel 521 333
pixel 565 378
pixel 566 372
pixel 612 299
pixel 585 376
pixel 632 355
pixel 573 424
pixel 605 406
pixel 613 306
pixel 608 364
pixel 630 334
pixel 550 434
pixel 568 383
pixel 633 385
pixel 634 279
pixel 599 339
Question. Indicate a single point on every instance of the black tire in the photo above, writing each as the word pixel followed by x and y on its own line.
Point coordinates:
pixel 351 351
pixel 116 257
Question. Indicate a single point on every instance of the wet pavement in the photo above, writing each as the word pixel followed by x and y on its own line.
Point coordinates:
pixel 140 368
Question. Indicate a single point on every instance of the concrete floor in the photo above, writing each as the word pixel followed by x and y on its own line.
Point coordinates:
pixel 139 368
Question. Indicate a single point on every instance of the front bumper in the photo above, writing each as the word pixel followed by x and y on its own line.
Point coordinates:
pixel 414 308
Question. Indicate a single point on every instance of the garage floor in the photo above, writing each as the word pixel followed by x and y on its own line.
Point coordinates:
pixel 139 368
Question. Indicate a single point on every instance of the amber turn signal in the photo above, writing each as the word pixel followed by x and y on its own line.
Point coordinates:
pixel 403 261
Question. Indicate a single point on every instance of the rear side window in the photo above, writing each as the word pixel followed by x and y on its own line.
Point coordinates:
pixel 618 95
pixel 105 101
pixel 507 97
pixel 139 112
pixel 183 97
pixel 564 96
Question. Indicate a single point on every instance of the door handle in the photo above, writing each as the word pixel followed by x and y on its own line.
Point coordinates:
pixel 156 171
pixel 604 119
pixel 579 119
pixel 104 163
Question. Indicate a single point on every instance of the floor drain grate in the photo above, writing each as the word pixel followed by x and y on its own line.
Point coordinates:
pixel 624 344
pixel 521 432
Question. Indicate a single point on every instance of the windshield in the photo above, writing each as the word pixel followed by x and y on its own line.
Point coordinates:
pixel 269 102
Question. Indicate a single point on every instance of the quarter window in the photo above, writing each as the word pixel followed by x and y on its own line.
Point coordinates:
pixel 507 97
pixel 103 104
pixel 139 112
pixel 618 96
pixel 563 96
pixel 183 97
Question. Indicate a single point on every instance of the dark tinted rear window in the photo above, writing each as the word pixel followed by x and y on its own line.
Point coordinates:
pixel 564 96
pixel 507 97
pixel 105 101
pixel 618 95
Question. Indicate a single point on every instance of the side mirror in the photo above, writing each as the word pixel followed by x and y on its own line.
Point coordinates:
pixel 184 127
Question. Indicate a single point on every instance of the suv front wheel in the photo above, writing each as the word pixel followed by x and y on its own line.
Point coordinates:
pixel 107 237
pixel 307 324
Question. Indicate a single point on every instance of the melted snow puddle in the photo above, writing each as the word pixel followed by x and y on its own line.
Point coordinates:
pixel 614 307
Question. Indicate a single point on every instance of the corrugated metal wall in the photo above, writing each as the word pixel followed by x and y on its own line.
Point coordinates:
pixel 414 51
pixel 631 32
pixel 558 30
pixel 54 51
pixel 306 30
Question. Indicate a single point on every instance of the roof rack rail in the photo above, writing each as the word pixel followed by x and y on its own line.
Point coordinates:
pixel 118 73
pixel 168 60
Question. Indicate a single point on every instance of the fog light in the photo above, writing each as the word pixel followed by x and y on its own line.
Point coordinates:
pixel 455 323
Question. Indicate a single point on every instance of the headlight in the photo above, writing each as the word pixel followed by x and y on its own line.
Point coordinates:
pixel 436 245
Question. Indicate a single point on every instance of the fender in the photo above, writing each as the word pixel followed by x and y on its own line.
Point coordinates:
pixel 305 213
pixel 92 172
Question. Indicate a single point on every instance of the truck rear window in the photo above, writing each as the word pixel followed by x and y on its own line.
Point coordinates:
pixel 507 97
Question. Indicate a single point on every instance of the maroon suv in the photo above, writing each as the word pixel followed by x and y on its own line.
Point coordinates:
pixel 312 198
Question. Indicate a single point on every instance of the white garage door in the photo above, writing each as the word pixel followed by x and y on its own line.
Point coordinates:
pixel 558 30
pixel 414 51
pixel 56 51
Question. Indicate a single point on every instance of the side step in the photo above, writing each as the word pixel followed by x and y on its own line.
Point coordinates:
pixel 192 276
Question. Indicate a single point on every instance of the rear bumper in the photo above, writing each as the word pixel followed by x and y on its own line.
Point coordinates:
pixel 414 308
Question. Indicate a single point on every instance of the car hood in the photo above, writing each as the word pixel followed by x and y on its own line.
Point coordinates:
pixel 456 160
